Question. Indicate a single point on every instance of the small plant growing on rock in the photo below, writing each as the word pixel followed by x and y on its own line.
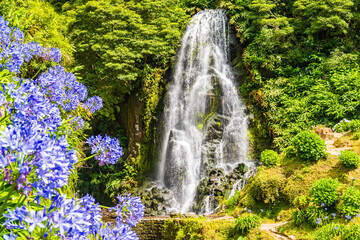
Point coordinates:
pixel 350 201
pixel 324 191
pixel 269 157
pixel 246 223
pixel 349 159
pixel 309 146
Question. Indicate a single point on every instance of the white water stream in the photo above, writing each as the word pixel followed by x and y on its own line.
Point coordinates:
pixel 203 92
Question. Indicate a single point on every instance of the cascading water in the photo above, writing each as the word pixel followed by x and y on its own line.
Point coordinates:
pixel 205 121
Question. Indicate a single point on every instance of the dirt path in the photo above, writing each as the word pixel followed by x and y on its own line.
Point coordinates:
pixel 330 145
pixel 271 227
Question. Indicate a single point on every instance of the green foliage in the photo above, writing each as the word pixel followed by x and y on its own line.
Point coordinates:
pixel 269 157
pixel 329 232
pixel 351 233
pixel 309 146
pixel 124 44
pixel 345 126
pixel 40 23
pixel 299 217
pixel 301 201
pixel 356 136
pixel 106 182
pixel 300 57
pixel 350 202
pixel 310 215
pixel 196 229
pixel 246 223
pixel 349 159
pixel 194 5
pixel 324 191
pixel 267 186
pixel 313 214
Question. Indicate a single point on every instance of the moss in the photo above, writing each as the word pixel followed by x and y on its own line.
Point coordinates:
pixel 268 185
pixel 258 234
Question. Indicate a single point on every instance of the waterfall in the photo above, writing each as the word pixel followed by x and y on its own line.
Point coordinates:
pixel 205 125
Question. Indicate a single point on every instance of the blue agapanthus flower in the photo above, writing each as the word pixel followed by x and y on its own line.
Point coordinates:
pixel 107 150
pixel 61 87
pixel 129 209
pixel 14 52
pixel 93 104
pixel 35 155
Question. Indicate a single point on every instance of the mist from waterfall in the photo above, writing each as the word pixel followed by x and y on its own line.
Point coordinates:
pixel 205 124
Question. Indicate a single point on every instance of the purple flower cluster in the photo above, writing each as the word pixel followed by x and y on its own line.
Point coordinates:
pixel 61 87
pixel 129 210
pixel 29 142
pixel 93 104
pixel 14 53
pixel 107 150
pixel 77 218
pixel 36 157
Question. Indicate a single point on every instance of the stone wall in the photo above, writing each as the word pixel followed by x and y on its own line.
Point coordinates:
pixel 150 228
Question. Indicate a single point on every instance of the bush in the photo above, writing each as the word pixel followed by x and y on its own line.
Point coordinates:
pixel 356 136
pixel 324 191
pixel 269 157
pixel 346 125
pixel 329 232
pixel 301 201
pixel 299 217
pixel 349 159
pixel 267 185
pixel 309 146
pixel 246 223
pixel 350 201
pixel 316 216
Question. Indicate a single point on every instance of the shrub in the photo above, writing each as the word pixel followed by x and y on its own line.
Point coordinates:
pixel 267 185
pixel 301 201
pixel 346 125
pixel 299 217
pixel 312 215
pixel 351 233
pixel 309 146
pixel 350 201
pixel 269 157
pixel 246 223
pixel 329 232
pixel 316 216
pixel 356 136
pixel 349 159
pixel 324 191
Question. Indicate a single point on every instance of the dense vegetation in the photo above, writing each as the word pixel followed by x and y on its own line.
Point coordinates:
pixel 301 65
